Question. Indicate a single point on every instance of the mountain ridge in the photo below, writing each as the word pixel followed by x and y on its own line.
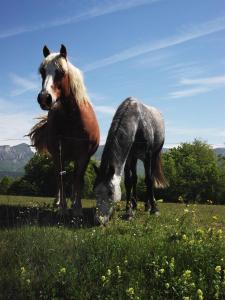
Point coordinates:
pixel 14 158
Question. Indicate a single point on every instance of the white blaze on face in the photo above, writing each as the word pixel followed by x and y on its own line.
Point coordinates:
pixel 115 183
pixel 48 85
pixel 50 70
pixel 106 196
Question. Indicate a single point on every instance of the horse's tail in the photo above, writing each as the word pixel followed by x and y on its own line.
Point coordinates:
pixel 158 175
pixel 38 135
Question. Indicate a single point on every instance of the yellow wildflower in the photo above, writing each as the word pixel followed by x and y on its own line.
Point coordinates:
pixel 187 274
pixel 130 291
pixel 218 269
pixel 200 231
pixel 200 294
pixel 167 285
pixel 118 270
pixel 62 270
pixel 184 237
pixel 109 272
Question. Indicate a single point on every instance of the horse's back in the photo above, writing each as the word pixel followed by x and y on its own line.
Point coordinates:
pixel 150 129
pixel 153 122
pixel 149 118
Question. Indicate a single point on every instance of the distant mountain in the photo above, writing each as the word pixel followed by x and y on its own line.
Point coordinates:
pixel 13 159
pixel 220 151
pixel 98 153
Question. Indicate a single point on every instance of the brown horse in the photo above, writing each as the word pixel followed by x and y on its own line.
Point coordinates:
pixel 70 131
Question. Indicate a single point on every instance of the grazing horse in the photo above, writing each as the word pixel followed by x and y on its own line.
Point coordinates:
pixel 70 131
pixel 137 132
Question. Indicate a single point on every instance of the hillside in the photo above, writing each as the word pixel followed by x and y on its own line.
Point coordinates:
pixel 14 158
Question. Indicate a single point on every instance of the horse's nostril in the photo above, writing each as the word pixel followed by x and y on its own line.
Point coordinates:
pixel 44 99
pixel 48 99
pixel 39 98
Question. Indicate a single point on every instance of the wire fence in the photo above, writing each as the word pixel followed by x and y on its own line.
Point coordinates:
pixel 102 142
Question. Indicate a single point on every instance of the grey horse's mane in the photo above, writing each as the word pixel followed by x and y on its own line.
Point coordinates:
pixel 112 146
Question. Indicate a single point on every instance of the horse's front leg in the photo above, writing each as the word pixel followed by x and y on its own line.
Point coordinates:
pixel 78 184
pixel 130 181
pixel 60 195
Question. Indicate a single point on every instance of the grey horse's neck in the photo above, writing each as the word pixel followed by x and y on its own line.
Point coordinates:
pixel 121 137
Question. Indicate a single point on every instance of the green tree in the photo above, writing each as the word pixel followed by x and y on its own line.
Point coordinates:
pixel 193 173
pixel 5 184
pixel 40 178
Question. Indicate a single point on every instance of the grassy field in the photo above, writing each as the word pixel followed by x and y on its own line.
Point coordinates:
pixel 178 255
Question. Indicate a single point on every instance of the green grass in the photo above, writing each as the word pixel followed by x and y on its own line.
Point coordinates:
pixel 36 201
pixel 177 255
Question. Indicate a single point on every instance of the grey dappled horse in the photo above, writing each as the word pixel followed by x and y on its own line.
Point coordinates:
pixel 137 132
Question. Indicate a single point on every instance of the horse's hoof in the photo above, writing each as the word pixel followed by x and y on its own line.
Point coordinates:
pixel 128 215
pixel 147 208
pixel 101 220
pixel 155 212
pixel 63 211
pixel 77 212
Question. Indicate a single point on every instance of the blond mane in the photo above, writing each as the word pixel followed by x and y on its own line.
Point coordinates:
pixel 77 86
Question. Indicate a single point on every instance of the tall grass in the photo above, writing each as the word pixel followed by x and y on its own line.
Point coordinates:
pixel 178 255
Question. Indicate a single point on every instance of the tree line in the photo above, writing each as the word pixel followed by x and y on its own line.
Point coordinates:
pixel 195 173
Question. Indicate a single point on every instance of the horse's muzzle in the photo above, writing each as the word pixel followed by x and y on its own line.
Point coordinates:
pixel 45 100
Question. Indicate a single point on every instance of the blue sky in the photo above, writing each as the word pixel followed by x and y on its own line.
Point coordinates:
pixel 168 53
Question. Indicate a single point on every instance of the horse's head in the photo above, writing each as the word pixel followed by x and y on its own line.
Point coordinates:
pixel 55 77
pixel 107 191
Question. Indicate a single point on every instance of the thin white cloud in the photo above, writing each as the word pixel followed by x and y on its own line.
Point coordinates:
pixel 184 69
pixel 189 34
pixel 208 81
pixel 188 92
pixel 105 109
pixel 23 85
pixel 15 122
pixel 106 7
pixel 204 85
pixel 13 127
pixel 153 60
pixel 96 97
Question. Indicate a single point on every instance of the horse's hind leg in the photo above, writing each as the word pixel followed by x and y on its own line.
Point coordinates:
pixel 134 183
pixel 150 204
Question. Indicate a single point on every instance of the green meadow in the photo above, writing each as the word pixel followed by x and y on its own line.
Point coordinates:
pixel 177 255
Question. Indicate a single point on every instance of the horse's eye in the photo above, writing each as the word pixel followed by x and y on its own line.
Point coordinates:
pixel 59 74
pixel 43 73
pixel 110 193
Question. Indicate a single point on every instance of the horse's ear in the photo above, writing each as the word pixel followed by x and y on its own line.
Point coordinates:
pixel 96 169
pixel 46 51
pixel 63 51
